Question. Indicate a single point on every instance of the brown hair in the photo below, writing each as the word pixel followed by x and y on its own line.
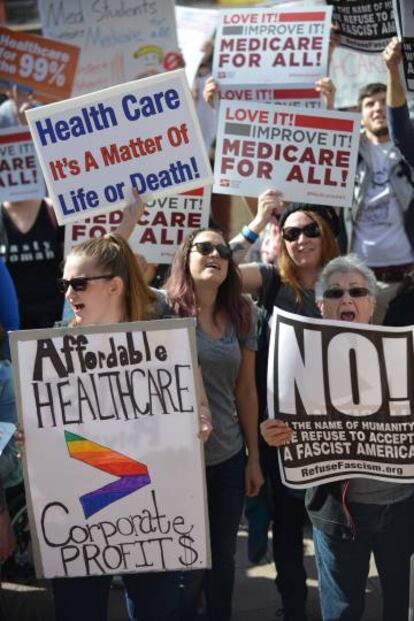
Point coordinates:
pixel 112 254
pixel 289 271
pixel 369 90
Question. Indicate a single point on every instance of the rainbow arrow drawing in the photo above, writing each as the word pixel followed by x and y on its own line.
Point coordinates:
pixel 132 474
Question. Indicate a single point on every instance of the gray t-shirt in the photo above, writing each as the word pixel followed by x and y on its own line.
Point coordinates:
pixel 220 363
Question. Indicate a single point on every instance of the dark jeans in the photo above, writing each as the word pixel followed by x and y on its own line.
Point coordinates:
pixel 343 564
pixel 155 596
pixel 288 515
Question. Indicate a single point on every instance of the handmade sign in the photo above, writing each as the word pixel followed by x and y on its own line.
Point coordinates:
pixel 119 41
pixel 346 392
pixel 45 68
pixel 309 156
pixel 20 175
pixel 164 225
pixel 93 149
pixel 195 28
pixel 114 472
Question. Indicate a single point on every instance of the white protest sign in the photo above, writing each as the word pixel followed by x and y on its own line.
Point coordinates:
pixel 114 467
pixel 272 46
pixel 351 70
pixel 93 149
pixel 20 175
pixel 119 41
pixel 302 97
pixel 194 28
pixel 346 391
pixel 309 156
pixel 164 225
pixel 364 25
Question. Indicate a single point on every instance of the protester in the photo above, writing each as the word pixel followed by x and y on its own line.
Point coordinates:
pixel 308 243
pixel 353 518
pixel 103 285
pixel 205 283
pixel 378 226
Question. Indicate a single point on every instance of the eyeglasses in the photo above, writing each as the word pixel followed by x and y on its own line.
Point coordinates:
pixel 292 233
pixel 80 283
pixel 206 248
pixel 337 293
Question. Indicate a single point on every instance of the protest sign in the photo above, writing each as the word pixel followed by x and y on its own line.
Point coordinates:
pixel 350 71
pixel 113 463
pixel 363 25
pixel 20 175
pixel 302 97
pixel 93 149
pixel 119 41
pixel 195 27
pixel 346 391
pixel 404 17
pixel 272 46
pixel 310 157
pixel 164 225
pixel 44 67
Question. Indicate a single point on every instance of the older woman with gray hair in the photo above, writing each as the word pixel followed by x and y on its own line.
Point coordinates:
pixel 354 518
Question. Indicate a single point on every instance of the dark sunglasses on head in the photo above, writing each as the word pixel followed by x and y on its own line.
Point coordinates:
pixel 292 233
pixel 206 248
pixel 337 293
pixel 80 283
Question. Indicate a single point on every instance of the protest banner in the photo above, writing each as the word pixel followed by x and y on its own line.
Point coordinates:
pixel 162 228
pixel 272 46
pixel 20 175
pixel 301 97
pixel 404 18
pixel 44 67
pixel 119 41
pixel 93 149
pixel 309 157
pixel 365 26
pixel 350 71
pixel 113 464
pixel 195 27
pixel 346 391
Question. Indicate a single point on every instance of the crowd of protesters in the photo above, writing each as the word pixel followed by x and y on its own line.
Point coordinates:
pixel 291 255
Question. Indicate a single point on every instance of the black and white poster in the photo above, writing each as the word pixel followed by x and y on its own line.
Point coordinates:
pixel 364 25
pixel 404 18
pixel 346 391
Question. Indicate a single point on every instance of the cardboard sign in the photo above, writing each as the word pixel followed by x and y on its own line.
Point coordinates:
pixel 46 68
pixel 350 71
pixel 194 28
pixel 20 175
pixel 272 46
pixel 366 26
pixel 162 228
pixel 93 149
pixel 301 97
pixel 346 391
pixel 310 157
pixel 404 17
pixel 114 471
pixel 119 41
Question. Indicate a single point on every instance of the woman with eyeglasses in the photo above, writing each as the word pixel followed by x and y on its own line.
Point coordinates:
pixel 103 284
pixel 308 242
pixel 205 284
pixel 352 519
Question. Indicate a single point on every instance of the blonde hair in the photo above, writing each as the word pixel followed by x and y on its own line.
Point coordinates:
pixel 113 255
pixel 290 272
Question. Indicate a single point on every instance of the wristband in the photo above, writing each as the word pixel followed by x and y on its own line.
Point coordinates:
pixel 249 235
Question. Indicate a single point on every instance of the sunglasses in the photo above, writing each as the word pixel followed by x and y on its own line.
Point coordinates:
pixel 206 248
pixel 337 293
pixel 292 233
pixel 80 283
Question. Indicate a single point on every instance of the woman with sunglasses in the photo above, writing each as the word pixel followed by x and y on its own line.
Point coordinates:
pixel 103 284
pixel 205 284
pixel 308 242
pixel 353 518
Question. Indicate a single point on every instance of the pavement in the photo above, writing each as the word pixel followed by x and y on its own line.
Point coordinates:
pixel 255 594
